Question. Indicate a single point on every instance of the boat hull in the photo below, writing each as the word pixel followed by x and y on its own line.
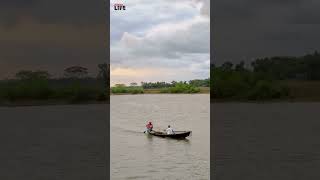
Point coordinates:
pixel 176 135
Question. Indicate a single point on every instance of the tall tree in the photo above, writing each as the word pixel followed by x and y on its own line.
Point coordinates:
pixel 133 84
pixel 76 72
pixel 104 73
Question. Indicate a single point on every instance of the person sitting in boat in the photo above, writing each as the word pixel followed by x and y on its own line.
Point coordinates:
pixel 169 130
pixel 149 127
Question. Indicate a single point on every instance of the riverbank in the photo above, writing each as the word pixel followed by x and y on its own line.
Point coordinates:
pixel 298 91
pixel 203 90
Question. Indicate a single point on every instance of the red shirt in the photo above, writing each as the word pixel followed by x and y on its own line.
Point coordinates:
pixel 149 126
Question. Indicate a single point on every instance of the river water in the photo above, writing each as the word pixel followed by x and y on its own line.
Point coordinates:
pixel 266 141
pixel 134 155
pixel 65 142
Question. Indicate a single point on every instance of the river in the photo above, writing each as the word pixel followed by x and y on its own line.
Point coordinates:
pixel 134 155
pixel 65 142
pixel 266 141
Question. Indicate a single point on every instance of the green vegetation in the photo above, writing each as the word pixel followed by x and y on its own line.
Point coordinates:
pixel 200 82
pixel 266 79
pixel 284 68
pixel 246 85
pixel 79 93
pixel 19 90
pixel 156 85
pixel 193 86
pixel 123 89
pixel 75 87
pixel 195 83
pixel 181 88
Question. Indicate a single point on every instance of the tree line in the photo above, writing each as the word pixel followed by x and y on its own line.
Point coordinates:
pixel 195 83
pixel 192 86
pixel 306 67
pixel 74 86
pixel 73 72
pixel 263 79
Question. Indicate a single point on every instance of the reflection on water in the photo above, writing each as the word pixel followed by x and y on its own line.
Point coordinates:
pixel 136 155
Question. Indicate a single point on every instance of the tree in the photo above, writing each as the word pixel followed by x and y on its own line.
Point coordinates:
pixel 227 66
pixel 240 66
pixel 24 75
pixel 75 72
pixel 32 75
pixel 133 84
pixel 104 73
pixel 120 85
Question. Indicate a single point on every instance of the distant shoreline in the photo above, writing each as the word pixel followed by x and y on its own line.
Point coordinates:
pixel 122 94
pixel 119 94
pixel 203 90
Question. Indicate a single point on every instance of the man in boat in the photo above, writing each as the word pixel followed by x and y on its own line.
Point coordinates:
pixel 149 127
pixel 169 130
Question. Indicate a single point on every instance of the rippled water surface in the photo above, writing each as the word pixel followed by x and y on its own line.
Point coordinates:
pixel 135 155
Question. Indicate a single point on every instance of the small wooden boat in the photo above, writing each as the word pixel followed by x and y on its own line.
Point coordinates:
pixel 176 135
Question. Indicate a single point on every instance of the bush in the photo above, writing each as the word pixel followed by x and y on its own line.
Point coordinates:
pixel 127 90
pixel 245 85
pixel 78 93
pixel 26 89
pixel 181 88
pixel 15 90
pixel 266 90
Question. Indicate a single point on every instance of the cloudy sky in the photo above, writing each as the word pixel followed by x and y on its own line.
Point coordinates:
pixel 51 35
pixel 246 29
pixel 152 40
pixel 160 41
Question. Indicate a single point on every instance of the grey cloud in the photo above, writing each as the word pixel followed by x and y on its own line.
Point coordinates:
pixel 165 48
pixel 169 34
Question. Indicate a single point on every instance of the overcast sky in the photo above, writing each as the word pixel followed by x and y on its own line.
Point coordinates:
pixel 152 40
pixel 246 29
pixel 51 35
pixel 160 41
